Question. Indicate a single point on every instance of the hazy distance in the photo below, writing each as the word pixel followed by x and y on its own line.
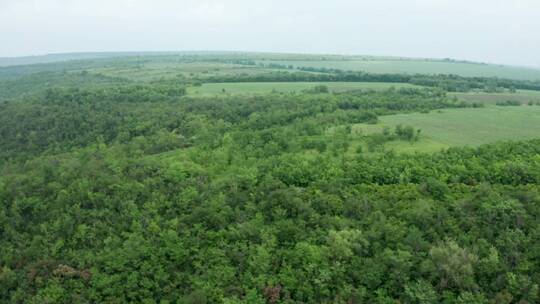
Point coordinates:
pixel 492 31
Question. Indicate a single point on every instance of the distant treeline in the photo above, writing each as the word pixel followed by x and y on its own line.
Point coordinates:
pixel 451 83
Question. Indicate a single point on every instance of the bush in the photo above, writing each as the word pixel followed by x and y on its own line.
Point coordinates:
pixel 509 103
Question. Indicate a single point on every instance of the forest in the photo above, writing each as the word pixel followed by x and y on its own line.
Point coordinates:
pixel 117 189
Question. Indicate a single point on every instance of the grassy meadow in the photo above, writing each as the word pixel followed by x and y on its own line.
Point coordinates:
pixel 286 87
pixel 461 127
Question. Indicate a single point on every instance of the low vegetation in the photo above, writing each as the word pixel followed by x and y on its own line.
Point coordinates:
pixel 460 127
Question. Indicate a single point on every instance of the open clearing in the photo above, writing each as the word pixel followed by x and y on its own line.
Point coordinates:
pixel 462 127
pixel 420 67
pixel 267 87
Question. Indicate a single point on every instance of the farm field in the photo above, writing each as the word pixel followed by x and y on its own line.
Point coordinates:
pixel 152 66
pixel 461 127
pixel 285 87
pixel 410 66
pixel 142 68
pixel 523 96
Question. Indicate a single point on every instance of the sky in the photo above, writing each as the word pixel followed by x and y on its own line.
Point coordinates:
pixel 495 31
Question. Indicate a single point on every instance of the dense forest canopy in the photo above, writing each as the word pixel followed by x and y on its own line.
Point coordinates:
pixel 124 190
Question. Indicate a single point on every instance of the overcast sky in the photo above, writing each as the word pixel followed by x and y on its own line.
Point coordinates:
pixel 500 31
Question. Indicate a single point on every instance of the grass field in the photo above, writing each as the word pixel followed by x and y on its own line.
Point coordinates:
pixel 267 87
pixel 136 68
pixel 151 66
pixel 420 67
pixel 522 96
pixel 462 127
pixel 166 69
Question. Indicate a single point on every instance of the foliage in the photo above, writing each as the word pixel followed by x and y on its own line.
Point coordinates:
pixel 509 103
pixel 451 83
pixel 137 193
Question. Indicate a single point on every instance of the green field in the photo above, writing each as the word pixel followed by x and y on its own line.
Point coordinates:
pixel 462 127
pixel 523 96
pixel 137 68
pixel 267 87
pixel 420 67
pixel 152 66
